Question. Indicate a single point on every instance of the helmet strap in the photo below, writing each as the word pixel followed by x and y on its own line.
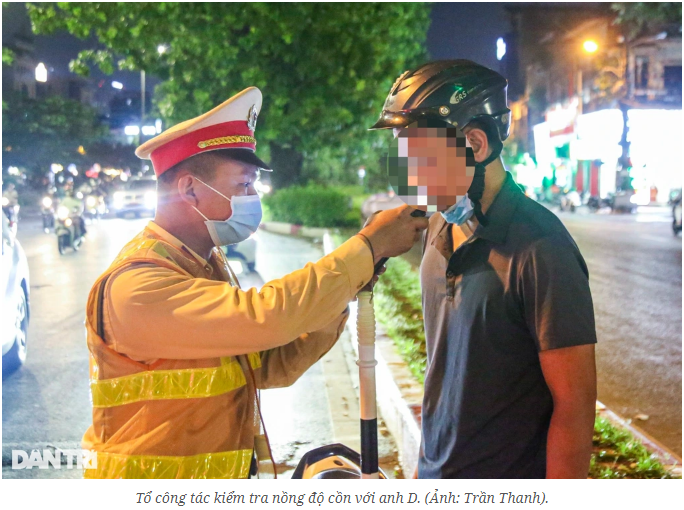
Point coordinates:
pixel 477 187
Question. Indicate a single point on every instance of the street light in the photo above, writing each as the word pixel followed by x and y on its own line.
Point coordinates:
pixel 41 73
pixel 500 48
pixel 590 46
pixel 161 49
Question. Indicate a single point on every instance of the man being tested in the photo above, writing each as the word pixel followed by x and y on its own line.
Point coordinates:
pixel 510 387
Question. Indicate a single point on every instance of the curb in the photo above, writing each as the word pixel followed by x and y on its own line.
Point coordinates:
pixel 667 457
pixel 278 227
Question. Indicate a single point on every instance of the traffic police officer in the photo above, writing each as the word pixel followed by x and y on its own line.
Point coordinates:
pixel 178 350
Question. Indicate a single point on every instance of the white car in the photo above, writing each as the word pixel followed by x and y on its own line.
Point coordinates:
pixel 139 196
pixel 15 301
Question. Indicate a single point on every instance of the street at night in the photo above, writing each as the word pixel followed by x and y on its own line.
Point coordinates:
pixel 412 168
pixel 635 275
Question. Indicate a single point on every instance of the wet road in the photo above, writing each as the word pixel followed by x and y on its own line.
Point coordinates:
pixel 635 268
pixel 47 402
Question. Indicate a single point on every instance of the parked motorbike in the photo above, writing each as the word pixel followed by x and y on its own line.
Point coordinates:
pixel 623 201
pixel 570 201
pixel 48 213
pixel 596 203
pixel 68 230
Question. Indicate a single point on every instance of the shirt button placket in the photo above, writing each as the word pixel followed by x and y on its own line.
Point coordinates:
pixel 450 285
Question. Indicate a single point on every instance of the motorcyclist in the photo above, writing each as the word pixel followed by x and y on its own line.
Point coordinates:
pixel 76 209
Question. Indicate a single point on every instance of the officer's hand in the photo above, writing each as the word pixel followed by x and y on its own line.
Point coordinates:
pixel 370 219
pixel 369 286
pixel 393 232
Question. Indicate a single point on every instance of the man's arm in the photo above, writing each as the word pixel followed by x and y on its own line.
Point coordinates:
pixel 560 316
pixel 570 374
pixel 282 366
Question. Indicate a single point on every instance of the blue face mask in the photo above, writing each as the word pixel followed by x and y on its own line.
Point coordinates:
pixel 459 213
pixel 243 222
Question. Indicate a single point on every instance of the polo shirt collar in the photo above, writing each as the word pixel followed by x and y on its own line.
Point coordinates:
pixel 500 213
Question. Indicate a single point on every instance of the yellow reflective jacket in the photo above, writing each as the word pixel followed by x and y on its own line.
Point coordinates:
pixel 159 412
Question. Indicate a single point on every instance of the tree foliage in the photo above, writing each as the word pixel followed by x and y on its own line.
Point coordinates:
pixel 635 17
pixel 39 132
pixel 324 68
pixel 7 56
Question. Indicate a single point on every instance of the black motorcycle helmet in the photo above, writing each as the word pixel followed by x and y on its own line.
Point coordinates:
pixel 458 92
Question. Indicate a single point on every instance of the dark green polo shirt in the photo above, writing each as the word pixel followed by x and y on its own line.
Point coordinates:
pixel 516 287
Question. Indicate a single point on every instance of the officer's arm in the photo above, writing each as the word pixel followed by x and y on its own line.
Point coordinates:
pixel 154 312
pixel 282 366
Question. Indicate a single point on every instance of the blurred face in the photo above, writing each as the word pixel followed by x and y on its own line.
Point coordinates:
pixel 431 168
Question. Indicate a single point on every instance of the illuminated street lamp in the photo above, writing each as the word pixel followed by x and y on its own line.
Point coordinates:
pixel 500 48
pixel 41 73
pixel 590 46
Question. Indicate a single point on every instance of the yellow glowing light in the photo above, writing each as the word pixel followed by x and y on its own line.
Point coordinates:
pixel 81 150
pixel 590 46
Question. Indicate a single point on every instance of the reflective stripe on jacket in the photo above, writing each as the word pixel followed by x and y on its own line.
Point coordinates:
pixel 179 418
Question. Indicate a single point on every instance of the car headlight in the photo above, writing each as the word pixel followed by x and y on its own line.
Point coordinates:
pixel 151 199
pixel 62 212
pixel 119 199
pixel 47 202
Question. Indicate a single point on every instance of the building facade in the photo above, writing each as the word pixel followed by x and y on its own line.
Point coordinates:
pixel 585 101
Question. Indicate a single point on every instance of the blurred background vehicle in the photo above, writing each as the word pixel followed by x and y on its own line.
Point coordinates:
pixel 623 201
pixel 570 201
pixel 676 202
pixel 10 205
pixel 47 211
pixel 95 207
pixel 70 225
pixel 139 196
pixel 242 256
pixel 380 202
pixel 15 300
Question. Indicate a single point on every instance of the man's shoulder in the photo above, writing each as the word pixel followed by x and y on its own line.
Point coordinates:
pixel 535 225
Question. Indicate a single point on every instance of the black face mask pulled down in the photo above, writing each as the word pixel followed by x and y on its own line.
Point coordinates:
pixel 477 186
